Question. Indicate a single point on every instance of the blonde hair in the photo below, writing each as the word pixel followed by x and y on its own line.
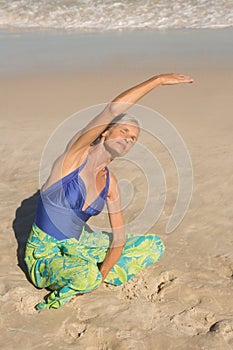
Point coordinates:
pixel 122 118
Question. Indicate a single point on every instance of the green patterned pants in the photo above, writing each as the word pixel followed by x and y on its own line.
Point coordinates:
pixel 69 267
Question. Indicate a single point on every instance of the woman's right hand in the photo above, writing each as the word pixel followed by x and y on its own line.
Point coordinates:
pixel 172 79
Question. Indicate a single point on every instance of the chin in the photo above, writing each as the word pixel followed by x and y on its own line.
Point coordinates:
pixel 114 150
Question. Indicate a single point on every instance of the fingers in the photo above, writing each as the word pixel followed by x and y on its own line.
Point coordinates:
pixel 173 78
pixel 102 139
pixel 184 78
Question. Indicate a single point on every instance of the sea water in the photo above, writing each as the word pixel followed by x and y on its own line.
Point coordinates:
pixel 109 15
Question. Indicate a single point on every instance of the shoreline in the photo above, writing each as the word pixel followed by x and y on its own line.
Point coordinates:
pixel 46 52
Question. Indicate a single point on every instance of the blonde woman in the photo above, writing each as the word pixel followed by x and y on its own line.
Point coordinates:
pixel 61 254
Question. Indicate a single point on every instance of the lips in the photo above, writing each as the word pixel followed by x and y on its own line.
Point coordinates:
pixel 122 144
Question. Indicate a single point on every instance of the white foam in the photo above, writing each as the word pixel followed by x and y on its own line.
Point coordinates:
pixel 88 15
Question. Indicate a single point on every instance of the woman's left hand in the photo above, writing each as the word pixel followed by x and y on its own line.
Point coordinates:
pixel 173 78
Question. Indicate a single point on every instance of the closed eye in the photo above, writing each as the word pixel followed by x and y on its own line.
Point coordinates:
pixel 124 131
pixel 134 139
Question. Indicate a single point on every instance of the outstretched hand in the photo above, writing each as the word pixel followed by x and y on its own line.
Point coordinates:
pixel 172 79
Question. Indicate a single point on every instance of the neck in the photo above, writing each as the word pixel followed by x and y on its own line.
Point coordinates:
pixel 99 158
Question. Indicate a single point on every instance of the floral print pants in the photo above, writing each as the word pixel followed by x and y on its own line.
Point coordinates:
pixel 70 267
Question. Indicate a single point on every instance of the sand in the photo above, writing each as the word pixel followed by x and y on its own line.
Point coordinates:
pixel 184 301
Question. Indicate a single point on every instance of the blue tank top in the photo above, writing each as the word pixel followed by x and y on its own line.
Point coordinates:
pixel 59 211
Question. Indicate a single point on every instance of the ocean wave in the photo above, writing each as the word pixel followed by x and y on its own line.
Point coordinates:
pixel 89 15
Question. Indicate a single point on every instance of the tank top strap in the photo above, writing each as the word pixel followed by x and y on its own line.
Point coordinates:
pixel 107 182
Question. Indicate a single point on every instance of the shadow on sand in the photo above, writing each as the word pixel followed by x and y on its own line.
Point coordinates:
pixel 24 218
pixel 22 224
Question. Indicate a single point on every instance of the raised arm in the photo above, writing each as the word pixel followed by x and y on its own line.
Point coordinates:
pixel 119 105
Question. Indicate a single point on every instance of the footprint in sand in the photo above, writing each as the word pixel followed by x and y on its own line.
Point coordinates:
pixel 155 287
pixel 147 287
pixel 192 321
pixel 69 332
pixel 225 328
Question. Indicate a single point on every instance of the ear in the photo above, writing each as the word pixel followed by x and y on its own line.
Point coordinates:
pixel 105 133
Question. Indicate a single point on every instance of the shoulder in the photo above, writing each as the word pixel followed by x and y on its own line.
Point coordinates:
pixel 64 165
pixel 72 160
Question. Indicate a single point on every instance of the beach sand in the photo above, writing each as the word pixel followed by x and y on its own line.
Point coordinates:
pixel 185 300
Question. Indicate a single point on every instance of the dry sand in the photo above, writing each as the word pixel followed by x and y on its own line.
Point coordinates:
pixel 185 301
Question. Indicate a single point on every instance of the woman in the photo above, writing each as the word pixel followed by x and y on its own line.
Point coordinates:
pixel 61 254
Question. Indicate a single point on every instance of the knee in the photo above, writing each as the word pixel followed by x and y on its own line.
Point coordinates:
pixel 88 281
pixel 160 245
pixel 157 246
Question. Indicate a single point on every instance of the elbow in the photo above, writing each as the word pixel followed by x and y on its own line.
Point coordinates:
pixel 117 107
pixel 113 108
pixel 118 243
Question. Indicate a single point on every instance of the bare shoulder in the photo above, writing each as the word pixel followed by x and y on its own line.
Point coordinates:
pixel 64 165
pixel 72 160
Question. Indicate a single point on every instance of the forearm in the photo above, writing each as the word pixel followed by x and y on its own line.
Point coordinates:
pixel 123 101
pixel 110 260
pixel 117 224
pixel 131 96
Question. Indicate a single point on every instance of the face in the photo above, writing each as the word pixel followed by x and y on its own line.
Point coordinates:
pixel 120 138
